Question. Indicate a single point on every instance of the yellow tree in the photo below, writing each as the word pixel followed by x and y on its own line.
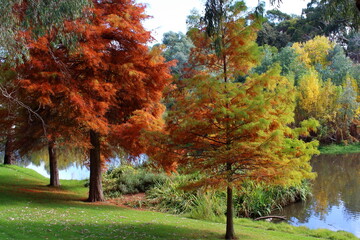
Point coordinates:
pixel 319 100
pixel 314 51
pixel 227 130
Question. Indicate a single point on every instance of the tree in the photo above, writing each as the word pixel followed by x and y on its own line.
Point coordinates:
pixel 227 130
pixel 106 90
pixel 291 66
pixel 332 19
pixel 314 52
pixel 353 47
pixel 41 89
pixel 7 114
pixel 317 99
pixel 38 16
pixel 347 9
pixel 348 108
pixel 177 48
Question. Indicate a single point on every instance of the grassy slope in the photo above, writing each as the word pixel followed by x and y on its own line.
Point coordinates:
pixel 30 210
pixel 340 148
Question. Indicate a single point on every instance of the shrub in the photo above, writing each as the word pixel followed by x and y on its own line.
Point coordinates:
pixel 254 199
pixel 209 206
pixel 171 197
pixel 251 200
pixel 129 180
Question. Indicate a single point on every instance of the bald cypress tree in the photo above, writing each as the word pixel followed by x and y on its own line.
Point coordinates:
pixel 228 130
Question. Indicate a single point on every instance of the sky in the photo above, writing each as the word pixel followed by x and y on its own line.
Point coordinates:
pixel 170 15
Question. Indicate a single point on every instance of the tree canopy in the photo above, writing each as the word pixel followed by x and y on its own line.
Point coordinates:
pixel 227 130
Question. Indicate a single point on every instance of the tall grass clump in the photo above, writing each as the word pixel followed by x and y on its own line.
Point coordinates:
pixel 129 180
pixel 209 206
pixel 171 197
pixel 251 199
pixel 255 199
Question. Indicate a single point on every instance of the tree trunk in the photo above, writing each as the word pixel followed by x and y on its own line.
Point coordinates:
pixel 230 233
pixel 9 157
pixel 54 171
pixel 95 187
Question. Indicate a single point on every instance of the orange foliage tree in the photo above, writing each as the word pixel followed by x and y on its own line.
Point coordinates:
pixel 227 130
pixel 107 89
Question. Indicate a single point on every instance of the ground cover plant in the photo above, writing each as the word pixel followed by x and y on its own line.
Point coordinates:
pixel 340 148
pixel 31 210
pixel 250 200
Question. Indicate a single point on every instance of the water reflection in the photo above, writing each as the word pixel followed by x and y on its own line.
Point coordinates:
pixel 71 172
pixel 69 167
pixel 70 164
pixel 335 203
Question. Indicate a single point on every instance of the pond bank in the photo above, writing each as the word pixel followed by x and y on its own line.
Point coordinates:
pixel 340 148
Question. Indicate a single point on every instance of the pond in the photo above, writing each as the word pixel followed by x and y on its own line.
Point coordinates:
pixel 71 172
pixel 335 203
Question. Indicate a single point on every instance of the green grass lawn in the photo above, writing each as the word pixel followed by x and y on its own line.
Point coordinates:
pixel 340 148
pixel 31 210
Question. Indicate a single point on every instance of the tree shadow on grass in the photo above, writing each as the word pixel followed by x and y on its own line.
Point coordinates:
pixel 136 231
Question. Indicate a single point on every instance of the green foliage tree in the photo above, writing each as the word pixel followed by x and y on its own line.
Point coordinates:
pixel 177 47
pixel 38 16
pixel 346 9
pixel 331 18
pixel 348 107
pixel 291 66
pixel 339 68
pixel 353 46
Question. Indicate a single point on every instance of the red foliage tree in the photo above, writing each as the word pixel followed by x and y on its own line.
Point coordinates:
pixel 106 90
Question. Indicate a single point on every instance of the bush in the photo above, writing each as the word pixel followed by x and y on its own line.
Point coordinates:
pixel 255 199
pixel 251 200
pixel 209 206
pixel 171 197
pixel 129 180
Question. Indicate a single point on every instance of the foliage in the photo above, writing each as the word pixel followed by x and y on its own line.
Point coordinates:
pixel 314 52
pixel 348 108
pixel 339 68
pixel 254 200
pixel 353 46
pixel 251 199
pixel 209 206
pixel 291 66
pixel 171 197
pixel 109 87
pixel 316 98
pixel 37 16
pixel 129 180
pixel 177 48
pixel 32 211
pixel 232 131
pixel 330 18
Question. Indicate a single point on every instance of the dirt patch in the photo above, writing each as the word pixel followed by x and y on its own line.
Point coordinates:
pixel 134 201
pixel 45 190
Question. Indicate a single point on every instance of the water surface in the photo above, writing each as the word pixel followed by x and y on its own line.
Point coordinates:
pixel 335 203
